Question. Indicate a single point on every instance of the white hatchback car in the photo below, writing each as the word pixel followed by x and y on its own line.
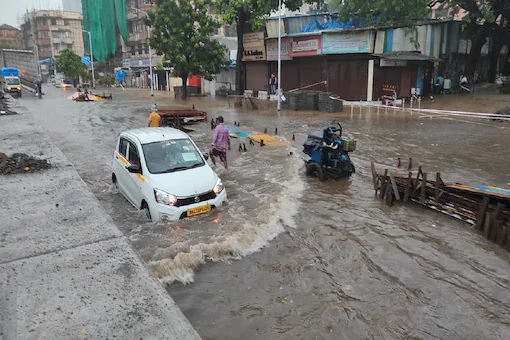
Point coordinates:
pixel 161 171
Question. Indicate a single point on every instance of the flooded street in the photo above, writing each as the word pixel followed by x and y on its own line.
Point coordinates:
pixel 290 257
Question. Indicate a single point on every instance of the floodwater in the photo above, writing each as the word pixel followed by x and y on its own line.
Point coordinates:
pixel 290 257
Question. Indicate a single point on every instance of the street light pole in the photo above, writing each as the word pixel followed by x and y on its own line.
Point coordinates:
pixel 91 59
pixel 150 49
pixel 150 61
pixel 279 106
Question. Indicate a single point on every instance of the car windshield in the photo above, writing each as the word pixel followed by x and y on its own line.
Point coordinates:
pixel 12 81
pixel 171 155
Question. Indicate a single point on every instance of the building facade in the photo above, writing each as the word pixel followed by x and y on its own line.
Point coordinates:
pixel 355 62
pixel 71 6
pixel 10 37
pixel 52 32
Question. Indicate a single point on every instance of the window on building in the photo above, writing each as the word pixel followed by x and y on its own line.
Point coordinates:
pixel 66 22
pixel 53 21
pixel 146 49
pixel 140 49
pixel 133 50
pixel 69 46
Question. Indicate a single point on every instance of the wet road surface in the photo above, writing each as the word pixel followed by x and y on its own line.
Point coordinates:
pixel 290 257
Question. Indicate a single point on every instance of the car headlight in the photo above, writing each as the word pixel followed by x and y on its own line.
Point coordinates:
pixel 218 188
pixel 164 197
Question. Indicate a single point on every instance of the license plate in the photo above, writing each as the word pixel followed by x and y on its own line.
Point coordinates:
pixel 198 210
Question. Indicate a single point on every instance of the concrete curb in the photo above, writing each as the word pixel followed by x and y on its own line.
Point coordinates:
pixel 66 271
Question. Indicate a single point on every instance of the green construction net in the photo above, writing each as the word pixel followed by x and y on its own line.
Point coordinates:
pixel 99 19
pixel 120 9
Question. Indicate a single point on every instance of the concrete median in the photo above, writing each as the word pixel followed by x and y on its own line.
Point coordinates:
pixel 66 271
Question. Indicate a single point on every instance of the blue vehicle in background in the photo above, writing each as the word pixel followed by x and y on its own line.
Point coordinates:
pixel 328 154
pixel 11 81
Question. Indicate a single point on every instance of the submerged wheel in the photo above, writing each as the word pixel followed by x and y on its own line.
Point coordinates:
pixel 114 181
pixel 316 169
pixel 145 209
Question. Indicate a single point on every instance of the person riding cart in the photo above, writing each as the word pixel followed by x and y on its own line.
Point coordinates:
pixel 328 155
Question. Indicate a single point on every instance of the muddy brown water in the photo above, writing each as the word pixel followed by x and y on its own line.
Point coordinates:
pixel 290 257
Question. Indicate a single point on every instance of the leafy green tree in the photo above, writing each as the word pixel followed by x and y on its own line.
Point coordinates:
pixel 485 19
pixel 242 14
pixel 70 64
pixel 182 31
pixel 382 11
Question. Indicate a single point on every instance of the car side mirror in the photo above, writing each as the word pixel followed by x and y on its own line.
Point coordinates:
pixel 206 156
pixel 134 169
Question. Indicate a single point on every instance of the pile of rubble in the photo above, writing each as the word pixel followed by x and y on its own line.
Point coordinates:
pixel 505 111
pixel 21 163
pixel 4 108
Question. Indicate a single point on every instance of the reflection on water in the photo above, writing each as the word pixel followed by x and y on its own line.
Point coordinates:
pixel 338 263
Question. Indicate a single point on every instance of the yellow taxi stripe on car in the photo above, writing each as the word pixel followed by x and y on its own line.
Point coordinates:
pixel 122 159
pixel 125 162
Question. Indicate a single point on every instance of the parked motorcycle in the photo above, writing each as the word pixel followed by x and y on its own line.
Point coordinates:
pixel 464 85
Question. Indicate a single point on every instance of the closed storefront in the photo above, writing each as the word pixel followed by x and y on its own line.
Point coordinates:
pixel 348 77
pixel 257 76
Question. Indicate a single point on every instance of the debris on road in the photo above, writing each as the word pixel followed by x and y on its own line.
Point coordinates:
pixel 505 111
pixel 20 163
pixel 4 108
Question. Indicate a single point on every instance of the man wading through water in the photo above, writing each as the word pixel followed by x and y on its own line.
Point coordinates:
pixel 221 142
pixel 154 117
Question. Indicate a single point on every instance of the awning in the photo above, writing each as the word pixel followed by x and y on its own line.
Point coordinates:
pixel 407 56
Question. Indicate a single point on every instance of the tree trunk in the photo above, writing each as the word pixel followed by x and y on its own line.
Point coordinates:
pixel 240 67
pixel 184 93
pixel 479 39
pixel 494 58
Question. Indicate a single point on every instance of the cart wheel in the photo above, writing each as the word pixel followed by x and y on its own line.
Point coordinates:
pixel 316 169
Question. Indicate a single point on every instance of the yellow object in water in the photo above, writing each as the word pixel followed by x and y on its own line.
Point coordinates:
pixel 268 140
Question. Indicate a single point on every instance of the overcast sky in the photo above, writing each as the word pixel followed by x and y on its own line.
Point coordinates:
pixel 12 13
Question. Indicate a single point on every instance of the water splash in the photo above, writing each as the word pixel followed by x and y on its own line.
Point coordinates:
pixel 248 239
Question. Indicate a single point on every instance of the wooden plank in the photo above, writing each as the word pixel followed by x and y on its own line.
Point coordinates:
pixel 387 194
pixel 482 213
pixel 374 176
pixel 420 172
pixel 506 239
pixel 394 186
pixel 437 186
pixel 423 188
pixel 383 183
pixel 496 222
pixel 409 186
pixel 487 226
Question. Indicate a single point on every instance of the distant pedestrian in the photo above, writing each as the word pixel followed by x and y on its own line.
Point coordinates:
pixel 220 143
pixel 154 117
pixel 272 84
pixel 438 86
pixel 213 124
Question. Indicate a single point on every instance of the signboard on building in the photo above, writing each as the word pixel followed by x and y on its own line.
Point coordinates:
pixel 392 63
pixel 345 43
pixel 272 28
pixel 140 63
pixel 254 47
pixel 272 49
pixel 306 46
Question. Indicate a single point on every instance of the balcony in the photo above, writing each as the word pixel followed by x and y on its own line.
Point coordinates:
pixel 137 37
pixel 43 41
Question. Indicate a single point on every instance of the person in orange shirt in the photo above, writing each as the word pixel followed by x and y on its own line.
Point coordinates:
pixel 154 117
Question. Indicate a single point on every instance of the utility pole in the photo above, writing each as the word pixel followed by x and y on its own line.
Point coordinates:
pixel 91 59
pixel 279 106
pixel 150 49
